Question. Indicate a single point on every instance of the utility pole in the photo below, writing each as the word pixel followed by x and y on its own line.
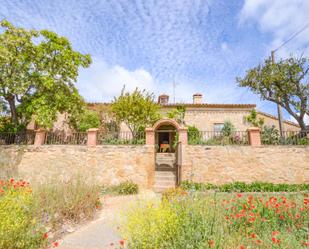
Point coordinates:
pixel 279 109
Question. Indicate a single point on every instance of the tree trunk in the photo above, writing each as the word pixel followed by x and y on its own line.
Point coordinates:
pixel 302 124
pixel 11 100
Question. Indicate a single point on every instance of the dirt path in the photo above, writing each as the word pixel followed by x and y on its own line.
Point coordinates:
pixel 103 232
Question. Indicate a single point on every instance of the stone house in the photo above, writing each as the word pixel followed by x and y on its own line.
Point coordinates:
pixel 206 116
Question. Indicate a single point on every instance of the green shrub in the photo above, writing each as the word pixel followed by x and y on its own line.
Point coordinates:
pixel 126 188
pixel 270 135
pixel 245 187
pixel 194 135
pixel 18 227
pixel 228 128
pixel 89 119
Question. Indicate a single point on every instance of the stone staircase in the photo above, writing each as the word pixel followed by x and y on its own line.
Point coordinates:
pixel 165 172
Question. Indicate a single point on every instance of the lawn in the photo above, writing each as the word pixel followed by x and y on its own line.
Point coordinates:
pixel 219 220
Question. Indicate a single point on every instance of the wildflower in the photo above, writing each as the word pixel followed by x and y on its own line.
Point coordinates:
pixel 297 216
pixel 306 243
pixel 252 235
pixel 239 195
pixel 56 244
pixel 121 242
pixel 242 247
pixel 275 240
pixel 258 241
pixel 45 235
pixel 274 233
pixel 281 217
pixel 211 243
pixel 1 191
pixel 12 180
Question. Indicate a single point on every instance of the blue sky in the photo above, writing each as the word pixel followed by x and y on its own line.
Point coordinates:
pixel 202 45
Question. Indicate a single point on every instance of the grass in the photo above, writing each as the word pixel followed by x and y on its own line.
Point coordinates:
pixel 28 216
pixel 220 220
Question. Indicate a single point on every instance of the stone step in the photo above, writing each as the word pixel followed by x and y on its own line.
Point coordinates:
pixel 165 173
pixel 165 183
pixel 165 168
pixel 165 178
pixel 160 189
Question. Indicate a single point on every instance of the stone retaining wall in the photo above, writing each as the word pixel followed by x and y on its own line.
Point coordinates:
pixel 108 164
pixel 222 164
pixel 111 164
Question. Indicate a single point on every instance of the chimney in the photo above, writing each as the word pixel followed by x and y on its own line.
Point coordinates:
pixel 197 98
pixel 163 99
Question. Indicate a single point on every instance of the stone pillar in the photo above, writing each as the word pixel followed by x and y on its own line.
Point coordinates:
pixel 40 136
pixel 254 136
pixel 183 136
pixel 150 136
pixel 92 136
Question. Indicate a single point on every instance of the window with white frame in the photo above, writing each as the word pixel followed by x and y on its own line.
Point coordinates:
pixel 218 127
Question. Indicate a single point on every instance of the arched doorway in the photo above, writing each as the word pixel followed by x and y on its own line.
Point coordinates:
pixel 165 135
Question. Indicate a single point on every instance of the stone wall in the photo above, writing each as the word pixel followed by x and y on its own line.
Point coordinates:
pixel 108 164
pixel 222 164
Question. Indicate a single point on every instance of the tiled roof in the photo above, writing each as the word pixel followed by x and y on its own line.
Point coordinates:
pixel 274 117
pixel 202 105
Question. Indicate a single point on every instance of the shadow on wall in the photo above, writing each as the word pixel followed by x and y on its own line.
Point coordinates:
pixel 9 161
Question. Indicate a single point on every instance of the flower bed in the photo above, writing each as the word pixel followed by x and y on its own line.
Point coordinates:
pixel 29 216
pixel 220 220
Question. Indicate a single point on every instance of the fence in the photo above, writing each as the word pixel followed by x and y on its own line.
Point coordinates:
pixel 218 138
pixel 21 138
pixel 125 137
pixel 79 138
pixel 287 138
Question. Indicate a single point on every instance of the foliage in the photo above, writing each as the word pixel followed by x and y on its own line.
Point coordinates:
pixel 253 119
pixel 137 109
pixel 285 83
pixel 38 70
pixel 228 128
pixel 178 114
pixel 174 193
pixel 270 135
pixel 89 119
pixel 27 215
pixel 194 135
pixel 245 187
pixel 126 188
pixel 18 227
pixel 220 221
pixel 74 200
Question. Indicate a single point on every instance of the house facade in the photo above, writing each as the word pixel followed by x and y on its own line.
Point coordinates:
pixel 206 116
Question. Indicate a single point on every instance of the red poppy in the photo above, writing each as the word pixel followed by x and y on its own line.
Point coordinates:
pixel 56 244
pixel 275 240
pixel 258 241
pixel 252 235
pixel 211 243
pixel 239 195
pixel 45 235
pixel 274 233
pixel 242 247
pixel 121 242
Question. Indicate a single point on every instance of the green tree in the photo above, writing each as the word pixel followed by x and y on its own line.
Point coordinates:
pixel 38 70
pixel 254 120
pixel 89 119
pixel 137 109
pixel 285 83
pixel 178 114
pixel 228 128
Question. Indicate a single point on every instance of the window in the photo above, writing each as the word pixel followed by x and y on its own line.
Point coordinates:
pixel 218 127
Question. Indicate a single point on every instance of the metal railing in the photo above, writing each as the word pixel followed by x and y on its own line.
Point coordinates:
pixel 123 137
pixel 21 138
pixel 218 138
pixel 78 138
pixel 288 138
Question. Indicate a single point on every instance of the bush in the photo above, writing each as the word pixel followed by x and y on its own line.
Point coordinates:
pixel 270 135
pixel 126 188
pixel 228 128
pixel 18 227
pixel 73 201
pixel 89 119
pixel 194 135
pixel 245 187
pixel 220 221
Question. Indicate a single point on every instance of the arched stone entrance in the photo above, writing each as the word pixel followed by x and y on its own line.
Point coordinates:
pixel 166 127
pixel 167 164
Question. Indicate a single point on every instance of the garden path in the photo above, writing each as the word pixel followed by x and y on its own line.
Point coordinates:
pixel 103 232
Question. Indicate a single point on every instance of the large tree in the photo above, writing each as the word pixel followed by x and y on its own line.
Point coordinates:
pixel 137 109
pixel 285 83
pixel 38 70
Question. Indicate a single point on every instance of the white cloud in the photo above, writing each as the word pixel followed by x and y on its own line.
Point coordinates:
pixel 282 18
pixel 306 119
pixel 101 82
